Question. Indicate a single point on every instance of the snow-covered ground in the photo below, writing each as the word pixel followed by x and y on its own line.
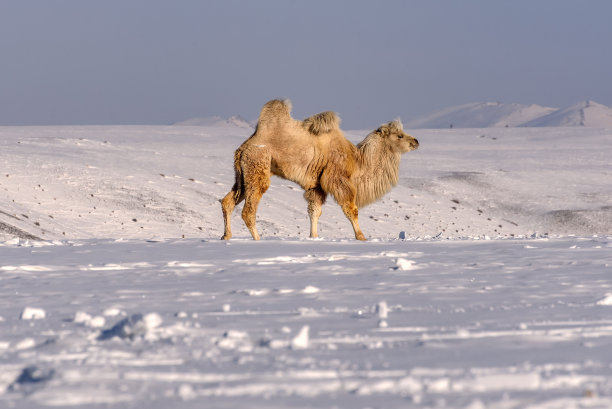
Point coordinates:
pixel 486 280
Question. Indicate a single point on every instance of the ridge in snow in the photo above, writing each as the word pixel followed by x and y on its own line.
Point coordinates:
pixel 494 114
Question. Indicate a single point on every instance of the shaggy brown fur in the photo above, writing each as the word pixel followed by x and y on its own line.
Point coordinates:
pixel 314 154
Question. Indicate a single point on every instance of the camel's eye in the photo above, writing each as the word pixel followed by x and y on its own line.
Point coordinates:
pixel 400 136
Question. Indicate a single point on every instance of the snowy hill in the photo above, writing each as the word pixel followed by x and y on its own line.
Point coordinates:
pixel 587 113
pixel 481 115
pixel 493 114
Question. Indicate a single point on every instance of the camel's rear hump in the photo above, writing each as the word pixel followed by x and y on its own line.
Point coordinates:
pixel 322 123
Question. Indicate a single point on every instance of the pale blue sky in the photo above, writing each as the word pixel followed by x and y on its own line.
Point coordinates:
pixel 157 62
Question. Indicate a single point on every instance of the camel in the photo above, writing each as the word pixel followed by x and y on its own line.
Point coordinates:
pixel 314 154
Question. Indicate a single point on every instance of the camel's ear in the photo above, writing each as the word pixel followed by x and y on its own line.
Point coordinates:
pixel 383 130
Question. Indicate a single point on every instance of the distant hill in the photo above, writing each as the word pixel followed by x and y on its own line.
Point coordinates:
pixel 586 113
pixel 217 121
pixel 481 115
pixel 495 114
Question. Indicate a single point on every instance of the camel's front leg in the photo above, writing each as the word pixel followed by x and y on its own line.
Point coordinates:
pixel 344 192
pixel 351 212
pixel 315 197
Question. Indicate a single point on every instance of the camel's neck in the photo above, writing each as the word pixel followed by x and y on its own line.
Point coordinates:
pixel 378 171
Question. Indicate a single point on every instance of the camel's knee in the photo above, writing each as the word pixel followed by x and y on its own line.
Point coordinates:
pixel 314 210
pixel 350 210
pixel 235 196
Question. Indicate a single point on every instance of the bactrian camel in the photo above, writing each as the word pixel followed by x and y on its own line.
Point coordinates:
pixel 314 154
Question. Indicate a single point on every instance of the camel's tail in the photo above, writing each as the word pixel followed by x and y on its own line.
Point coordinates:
pixel 238 189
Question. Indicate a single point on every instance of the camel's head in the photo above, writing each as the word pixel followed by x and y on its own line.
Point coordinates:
pixel 395 137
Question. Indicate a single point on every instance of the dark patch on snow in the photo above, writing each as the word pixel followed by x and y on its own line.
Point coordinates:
pixel 128 328
pixel 31 379
pixel 581 221
pixel 473 178
pixel 17 232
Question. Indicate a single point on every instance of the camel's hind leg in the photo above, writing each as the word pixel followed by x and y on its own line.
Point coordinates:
pixel 255 166
pixel 256 184
pixel 315 197
pixel 229 202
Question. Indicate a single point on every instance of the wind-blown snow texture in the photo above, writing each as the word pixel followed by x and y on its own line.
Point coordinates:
pixel 116 292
